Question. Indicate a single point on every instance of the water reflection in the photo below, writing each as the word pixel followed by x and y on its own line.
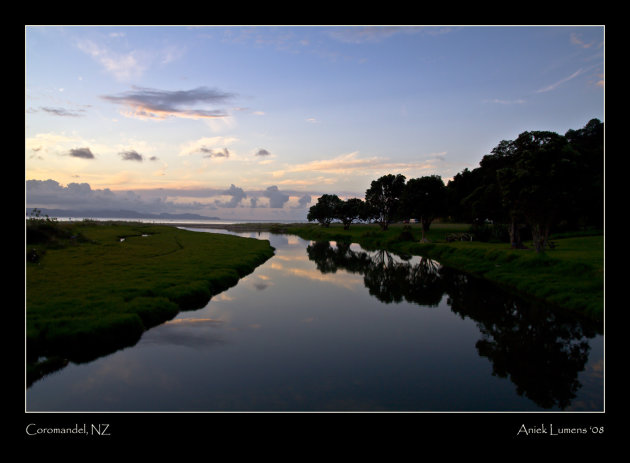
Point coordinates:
pixel 539 348
pixel 388 277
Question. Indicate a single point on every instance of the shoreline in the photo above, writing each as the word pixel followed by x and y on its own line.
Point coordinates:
pixel 95 295
pixel 273 227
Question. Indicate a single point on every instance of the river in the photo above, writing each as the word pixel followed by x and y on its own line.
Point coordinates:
pixel 327 327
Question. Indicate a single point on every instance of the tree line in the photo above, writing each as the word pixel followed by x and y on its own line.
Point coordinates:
pixel 538 182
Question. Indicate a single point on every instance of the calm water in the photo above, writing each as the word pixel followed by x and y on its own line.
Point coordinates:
pixel 321 327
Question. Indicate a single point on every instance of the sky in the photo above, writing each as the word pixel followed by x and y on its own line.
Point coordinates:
pixel 257 122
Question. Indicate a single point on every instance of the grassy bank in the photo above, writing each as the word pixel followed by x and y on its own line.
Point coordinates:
pixel 571 275
pixel 93 287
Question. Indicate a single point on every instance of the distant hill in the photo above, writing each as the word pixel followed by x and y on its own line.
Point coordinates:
pixel 117 214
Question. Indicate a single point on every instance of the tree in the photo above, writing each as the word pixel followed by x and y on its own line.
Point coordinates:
pixel 589 143
pixel 540 184
pixel 383 198
pixel 425 198
pixel 492 197
pixel 350 210
pixel 458 189
pixel 325 210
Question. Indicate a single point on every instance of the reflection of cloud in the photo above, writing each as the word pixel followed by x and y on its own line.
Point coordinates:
pixel 197 333
pixel 181 321
pixel 290 258
pixel 598 368
pixel 261 282
pixel 345 280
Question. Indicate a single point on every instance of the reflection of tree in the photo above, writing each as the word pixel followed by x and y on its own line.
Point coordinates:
pixel 329 259
pixel 388 277
pixel 540 349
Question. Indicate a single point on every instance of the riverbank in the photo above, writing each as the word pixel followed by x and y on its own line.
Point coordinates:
pixel 570 276
pixel 102 284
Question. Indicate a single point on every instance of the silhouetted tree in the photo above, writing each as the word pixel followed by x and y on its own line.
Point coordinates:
pixel 589 143
pixel 350 210
pixel 539 185
pixel 424 198
pixel 325 210
pixel 383 198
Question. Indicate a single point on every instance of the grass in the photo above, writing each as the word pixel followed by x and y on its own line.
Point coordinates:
pixel 570 276
pixel 93 287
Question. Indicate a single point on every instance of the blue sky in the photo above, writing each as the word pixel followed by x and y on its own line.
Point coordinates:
pixel 258 121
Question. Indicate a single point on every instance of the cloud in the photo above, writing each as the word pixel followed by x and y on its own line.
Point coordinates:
pixel 576 40
pixel 374 34
pixel 262 152
pixel 63 112
pixel 304 201
pixel 369 34
pixel 507 102
pixel 131 155
pixel 211 153
pixel 81 196
pixel 277 199
pixel 83 153
pixel 49 194
pixel 170 54
pixel 237 195
pixel 123 66
pixel 351 163
pixel 560 82
pixel 161 104
pixel 48 141
pixel 600 82
pixel 208 146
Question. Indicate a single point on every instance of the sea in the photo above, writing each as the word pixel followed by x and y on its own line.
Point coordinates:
pixel 196 221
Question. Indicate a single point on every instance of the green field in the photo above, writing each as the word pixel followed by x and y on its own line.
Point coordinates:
pixel 571 275
pixel 94 287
